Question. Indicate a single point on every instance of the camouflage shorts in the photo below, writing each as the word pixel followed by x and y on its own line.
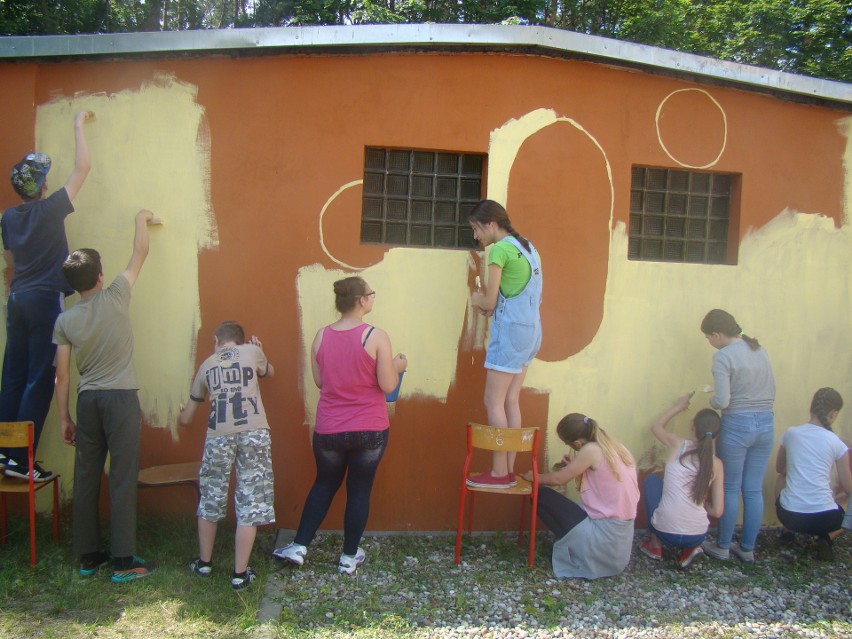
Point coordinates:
pixel 254 495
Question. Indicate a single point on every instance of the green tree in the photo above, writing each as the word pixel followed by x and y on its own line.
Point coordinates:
pixel 812 37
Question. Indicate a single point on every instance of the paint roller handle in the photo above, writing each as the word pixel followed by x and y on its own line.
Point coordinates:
pixel 400 363
pixel 83 116
pixel 149 217
pixel 682 402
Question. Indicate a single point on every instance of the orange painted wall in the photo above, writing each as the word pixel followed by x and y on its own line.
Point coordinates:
pixel 287 131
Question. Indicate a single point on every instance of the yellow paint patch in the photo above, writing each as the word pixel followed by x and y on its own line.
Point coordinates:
pixel 421 300
pixel 649 349
pixel 150 149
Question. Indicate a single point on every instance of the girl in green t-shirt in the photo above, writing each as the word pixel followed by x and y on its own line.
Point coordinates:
pixel 511 297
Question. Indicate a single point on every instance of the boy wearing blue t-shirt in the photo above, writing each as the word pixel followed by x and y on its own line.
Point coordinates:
pixel 35 247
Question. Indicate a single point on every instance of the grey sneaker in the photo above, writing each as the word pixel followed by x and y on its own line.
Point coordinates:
pixel 713 550
pixel 745 556
pixel 847 520
pixel 292 552
pixel 349 564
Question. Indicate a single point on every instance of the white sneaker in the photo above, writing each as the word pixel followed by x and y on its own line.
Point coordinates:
pixel 349 564
pixel 292 552
pixel 713 550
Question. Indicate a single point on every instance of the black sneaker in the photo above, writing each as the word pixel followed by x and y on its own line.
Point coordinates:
pixel 14 469
pixel 92 562
pixel 824 550
pixel 238 582
pixel 201 568
pixel 3 459
pixel 787 537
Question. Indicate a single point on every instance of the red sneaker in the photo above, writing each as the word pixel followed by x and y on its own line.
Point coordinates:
pixel 513 481
pixel 685 558
pixel 487 480
pixel 654 553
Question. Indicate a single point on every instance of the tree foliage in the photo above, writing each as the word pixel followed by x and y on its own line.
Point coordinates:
pixel 812 37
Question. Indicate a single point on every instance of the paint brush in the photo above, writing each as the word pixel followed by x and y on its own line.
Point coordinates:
pixel 478 283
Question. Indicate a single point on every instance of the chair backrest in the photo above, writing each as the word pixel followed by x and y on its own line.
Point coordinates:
pixel 16 434
pixel 502 439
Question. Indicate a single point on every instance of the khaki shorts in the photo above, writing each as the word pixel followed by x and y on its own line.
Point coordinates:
pixel 254 494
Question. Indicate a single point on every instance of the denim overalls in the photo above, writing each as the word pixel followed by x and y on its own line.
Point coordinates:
pixel 516 324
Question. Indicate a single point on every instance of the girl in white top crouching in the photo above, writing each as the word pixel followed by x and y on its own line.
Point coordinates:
pixel 807 454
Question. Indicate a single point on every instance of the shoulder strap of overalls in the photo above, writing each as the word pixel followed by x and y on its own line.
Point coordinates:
pixel 531 258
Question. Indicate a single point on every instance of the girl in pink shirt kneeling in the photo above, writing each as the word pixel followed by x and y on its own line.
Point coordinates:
pixel 593 539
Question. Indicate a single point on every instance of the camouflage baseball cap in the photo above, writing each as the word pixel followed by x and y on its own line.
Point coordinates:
pixel 29 174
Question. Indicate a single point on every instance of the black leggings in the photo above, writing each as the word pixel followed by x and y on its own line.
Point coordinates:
pixel 356 456
pixel 557 512
pixel 819 524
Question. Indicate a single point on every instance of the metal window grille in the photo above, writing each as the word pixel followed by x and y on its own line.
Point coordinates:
pixel 679 216
pixel 420 198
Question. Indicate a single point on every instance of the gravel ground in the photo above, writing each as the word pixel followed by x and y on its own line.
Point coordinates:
pixel 409 587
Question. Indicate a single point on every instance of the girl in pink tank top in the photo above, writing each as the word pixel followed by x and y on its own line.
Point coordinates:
pixel 594 539
pixel 353 367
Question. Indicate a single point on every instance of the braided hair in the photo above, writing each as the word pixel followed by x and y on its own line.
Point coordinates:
pixel 719 321
pixel 825 401
pixel 490 211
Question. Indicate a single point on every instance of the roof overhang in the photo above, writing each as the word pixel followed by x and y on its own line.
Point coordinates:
pixel 361 39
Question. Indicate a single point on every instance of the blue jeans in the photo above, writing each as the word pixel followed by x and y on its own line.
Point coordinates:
pixel 744 446
pixel 28 364
pixel 356 456
pixel 653 490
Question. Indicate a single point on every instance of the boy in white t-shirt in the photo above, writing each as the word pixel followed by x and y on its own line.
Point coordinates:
pixel 237 434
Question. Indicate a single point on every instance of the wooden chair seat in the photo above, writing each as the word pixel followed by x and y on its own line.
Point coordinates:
pixel 185 473
pixel 518 440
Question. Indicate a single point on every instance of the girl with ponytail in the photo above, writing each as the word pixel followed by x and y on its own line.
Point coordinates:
pixel 806 457
pixel 745 393
pixel 678 504
pixel 511 296
pixel 593 539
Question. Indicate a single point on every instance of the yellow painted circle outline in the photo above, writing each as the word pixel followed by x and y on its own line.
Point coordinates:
pixel 328 203
pixel 724 130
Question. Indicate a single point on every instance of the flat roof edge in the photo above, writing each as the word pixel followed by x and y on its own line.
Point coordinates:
pixel 548 40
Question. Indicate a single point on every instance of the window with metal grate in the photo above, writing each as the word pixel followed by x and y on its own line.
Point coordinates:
pixel 420 198
pixel 680 216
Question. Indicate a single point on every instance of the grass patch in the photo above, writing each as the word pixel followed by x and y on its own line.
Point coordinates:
pixel 52 600
pixel 410 588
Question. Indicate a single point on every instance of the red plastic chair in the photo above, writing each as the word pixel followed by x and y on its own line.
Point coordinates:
pixel 20 435
pixel 518 440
